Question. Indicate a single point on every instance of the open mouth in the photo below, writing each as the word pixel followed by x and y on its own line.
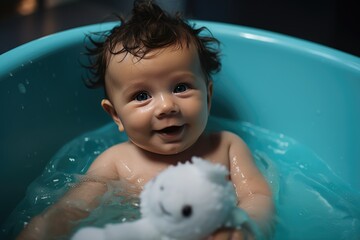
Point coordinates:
pixel 172 130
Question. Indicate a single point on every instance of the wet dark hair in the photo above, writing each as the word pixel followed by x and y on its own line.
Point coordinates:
pixel 149 28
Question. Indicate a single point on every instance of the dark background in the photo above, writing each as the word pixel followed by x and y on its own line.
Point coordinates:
pixel 334 23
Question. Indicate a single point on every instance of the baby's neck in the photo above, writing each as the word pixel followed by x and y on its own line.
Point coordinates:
pixel 172 159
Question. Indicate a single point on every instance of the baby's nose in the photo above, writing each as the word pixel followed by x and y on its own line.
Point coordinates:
pixel 166 105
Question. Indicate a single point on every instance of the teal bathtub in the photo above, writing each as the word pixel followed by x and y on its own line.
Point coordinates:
pixel 300 89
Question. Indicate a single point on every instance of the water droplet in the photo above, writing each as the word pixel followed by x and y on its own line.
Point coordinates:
pixel 22 88
pixel 11 75
pixel 140 180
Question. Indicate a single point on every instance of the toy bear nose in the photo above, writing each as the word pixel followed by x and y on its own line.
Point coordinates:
pixel 187 211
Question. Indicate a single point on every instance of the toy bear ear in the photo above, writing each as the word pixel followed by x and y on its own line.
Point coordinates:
pixel 216 173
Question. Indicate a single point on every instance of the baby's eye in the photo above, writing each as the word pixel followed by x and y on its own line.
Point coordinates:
pixel 142 96
pixel 182 87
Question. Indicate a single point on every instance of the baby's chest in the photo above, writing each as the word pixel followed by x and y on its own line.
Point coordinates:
pixel 138 174
pixel 217 155
pixel 215 148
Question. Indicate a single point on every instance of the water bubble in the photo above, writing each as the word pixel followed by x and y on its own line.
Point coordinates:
pixel 22 88
pixel 301 165
pixel 11 75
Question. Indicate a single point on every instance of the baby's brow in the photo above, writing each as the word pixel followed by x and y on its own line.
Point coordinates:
pixel 134 86
pixel 184 75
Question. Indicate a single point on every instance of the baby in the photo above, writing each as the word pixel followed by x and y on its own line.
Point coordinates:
pixel 156 71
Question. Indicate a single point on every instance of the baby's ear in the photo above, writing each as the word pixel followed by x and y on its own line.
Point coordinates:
pixel 209 94
pixel 216 173
pixel 109 108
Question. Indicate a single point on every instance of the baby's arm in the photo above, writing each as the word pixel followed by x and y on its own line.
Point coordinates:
pixel 76 204
pixel 253 192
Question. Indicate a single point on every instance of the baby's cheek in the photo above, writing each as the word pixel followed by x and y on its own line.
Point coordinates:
pixel 195 107
pixel 137 120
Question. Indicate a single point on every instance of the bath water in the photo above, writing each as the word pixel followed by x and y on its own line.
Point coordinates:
pixel 311 201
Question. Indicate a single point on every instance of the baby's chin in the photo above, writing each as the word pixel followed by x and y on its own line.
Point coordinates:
pixel 169 149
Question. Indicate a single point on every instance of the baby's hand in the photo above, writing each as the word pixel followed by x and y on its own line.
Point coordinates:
pixel 230 234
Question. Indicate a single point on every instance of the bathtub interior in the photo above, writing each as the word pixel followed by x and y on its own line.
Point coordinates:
pixel 303 90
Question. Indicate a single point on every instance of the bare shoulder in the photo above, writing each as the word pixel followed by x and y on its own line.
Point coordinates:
pixel 224 146
pixel 105 165
pixel 111 152
pixel 231 139
pixel 236 146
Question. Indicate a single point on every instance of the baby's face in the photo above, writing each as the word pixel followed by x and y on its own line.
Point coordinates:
pixel 162 101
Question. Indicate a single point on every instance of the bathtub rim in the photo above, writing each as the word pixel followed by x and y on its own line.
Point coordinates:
pixel 40 47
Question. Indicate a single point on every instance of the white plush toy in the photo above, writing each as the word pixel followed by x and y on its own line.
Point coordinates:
pixel 184 202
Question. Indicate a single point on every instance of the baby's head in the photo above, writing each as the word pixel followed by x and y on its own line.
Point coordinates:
pixel 156 70
pixel 148 29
